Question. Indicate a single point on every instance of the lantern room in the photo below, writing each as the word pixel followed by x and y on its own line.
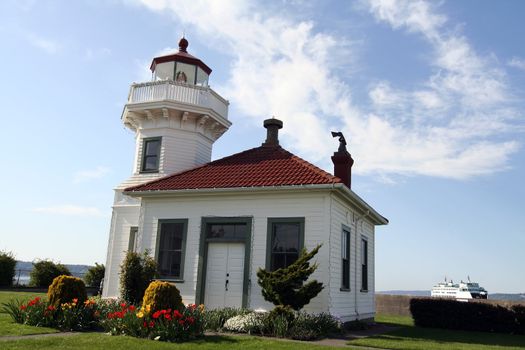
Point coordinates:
pixel 181 67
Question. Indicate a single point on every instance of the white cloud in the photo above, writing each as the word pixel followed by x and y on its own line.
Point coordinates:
pixel 93 174
pixel 71 210
pixel 48 45
pixel 453 125
pixel 517 62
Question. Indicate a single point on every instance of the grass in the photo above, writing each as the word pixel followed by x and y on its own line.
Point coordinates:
pixel 409 337
pixel 102 341
pixel 8 327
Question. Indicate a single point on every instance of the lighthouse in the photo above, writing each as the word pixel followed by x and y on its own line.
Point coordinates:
pixel 176 117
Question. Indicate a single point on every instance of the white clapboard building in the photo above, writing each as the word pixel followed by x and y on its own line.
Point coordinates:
pixel 211 224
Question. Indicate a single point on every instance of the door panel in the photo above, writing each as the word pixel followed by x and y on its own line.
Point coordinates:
pixel 224 275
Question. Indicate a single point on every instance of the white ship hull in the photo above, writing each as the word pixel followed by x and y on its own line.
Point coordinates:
pixel 458 291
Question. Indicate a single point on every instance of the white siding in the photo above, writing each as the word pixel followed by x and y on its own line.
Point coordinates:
pixel 343 303
pixel 260 207
pixel 123 218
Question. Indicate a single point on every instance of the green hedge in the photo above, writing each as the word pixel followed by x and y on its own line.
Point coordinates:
pixel 468 316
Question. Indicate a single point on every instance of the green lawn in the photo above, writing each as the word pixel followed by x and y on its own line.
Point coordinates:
pixel 6 296
pixel 102 341
pixel 8 327
pixel 409 337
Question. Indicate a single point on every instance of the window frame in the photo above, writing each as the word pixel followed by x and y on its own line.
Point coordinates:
pixel 364 267
pixel 184 222
pixel 348 231
pixel 269 234
pixel 144 156
pixel 133 230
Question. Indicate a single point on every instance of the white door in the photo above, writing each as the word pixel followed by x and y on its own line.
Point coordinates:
pixel 224 275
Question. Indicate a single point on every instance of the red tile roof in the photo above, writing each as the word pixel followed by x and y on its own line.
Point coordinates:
pixel 256 167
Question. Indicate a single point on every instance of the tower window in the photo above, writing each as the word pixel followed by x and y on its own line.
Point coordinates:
pixel 151 155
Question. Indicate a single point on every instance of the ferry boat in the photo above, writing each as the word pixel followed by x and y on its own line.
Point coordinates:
pixel 459 291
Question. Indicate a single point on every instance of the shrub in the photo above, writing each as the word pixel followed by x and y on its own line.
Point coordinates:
pixel 214 319
pixel 65 289
pixel 287 286
pixel 94 275
pixel 313 326
pixel 136 272
pixel 161 295
pixel 469 316
pixel 7 268
pixel 44 271
pixel 519 315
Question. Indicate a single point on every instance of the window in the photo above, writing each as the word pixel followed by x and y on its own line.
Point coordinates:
pixel 364 265
pixel 185 73
pixel 171 243
pixel 345 259
pixel 132 238
pixel 227 231
pixel 151 155
pixel 285 242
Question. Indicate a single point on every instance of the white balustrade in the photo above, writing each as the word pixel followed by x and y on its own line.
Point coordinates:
pixel 180 92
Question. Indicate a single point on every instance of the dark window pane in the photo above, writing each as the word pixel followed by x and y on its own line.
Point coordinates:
pixel 241 231
pixel 286 237
pixel 150 163
pixel 346 274
pixel 285 244
pixel 227 231
pixel 278 261
pixel 175 263
pixel 170 249
pixel 152 147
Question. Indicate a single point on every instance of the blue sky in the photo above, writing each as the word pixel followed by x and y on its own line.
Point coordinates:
pixel 430 96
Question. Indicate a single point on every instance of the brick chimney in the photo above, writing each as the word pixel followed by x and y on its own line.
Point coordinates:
pixel 272 132
pixel 342 161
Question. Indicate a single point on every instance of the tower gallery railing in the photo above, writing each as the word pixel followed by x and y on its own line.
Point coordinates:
pixel 180 92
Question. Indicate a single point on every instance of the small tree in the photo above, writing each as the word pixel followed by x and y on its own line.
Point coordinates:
pixel 286 286
pixel 95 275
pixel 7 268
pixel 136 272
pixel 45 271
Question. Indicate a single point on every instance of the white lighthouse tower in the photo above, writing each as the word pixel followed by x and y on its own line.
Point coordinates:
pixel 176 118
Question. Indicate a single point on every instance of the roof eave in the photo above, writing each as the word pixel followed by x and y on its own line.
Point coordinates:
pixel 351 196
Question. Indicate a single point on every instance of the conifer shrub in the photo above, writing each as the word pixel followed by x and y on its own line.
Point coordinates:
pixel 95 275
pixel 136 272
pixel 7 268
pixel 287 287
pixel 45 271
pixel 65 289
pixel 162 295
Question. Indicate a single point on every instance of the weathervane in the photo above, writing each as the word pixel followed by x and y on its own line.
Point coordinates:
pixel 342 141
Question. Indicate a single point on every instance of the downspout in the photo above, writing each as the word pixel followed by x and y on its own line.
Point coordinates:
pixel 355 261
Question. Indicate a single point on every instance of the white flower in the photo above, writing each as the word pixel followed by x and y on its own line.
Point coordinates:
pixel 244 323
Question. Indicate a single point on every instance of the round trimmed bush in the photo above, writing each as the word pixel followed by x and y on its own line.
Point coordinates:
pixel 160 296
pixel 66 288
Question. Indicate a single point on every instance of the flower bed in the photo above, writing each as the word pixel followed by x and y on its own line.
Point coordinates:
pixel 167 325
pixel 116 318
